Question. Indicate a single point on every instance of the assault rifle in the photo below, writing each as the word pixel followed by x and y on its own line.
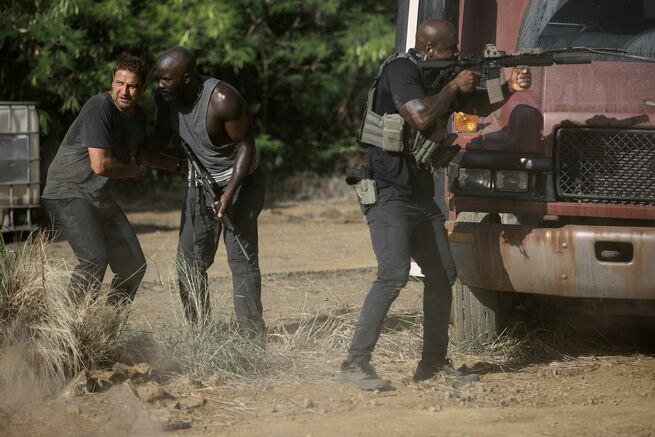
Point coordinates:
pixel 493 60
pixel 214 193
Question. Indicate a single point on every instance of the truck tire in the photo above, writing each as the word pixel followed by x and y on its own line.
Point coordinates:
pixel 480 315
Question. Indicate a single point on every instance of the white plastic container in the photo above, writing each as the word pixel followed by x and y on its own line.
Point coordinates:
pixel 20 187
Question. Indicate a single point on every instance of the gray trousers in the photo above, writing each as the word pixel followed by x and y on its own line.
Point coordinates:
pixel 99 237
pixel 199 237
pixel 402 228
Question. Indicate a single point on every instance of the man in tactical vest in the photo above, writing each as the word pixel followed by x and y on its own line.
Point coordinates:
pixel 214 120
pixel 396 194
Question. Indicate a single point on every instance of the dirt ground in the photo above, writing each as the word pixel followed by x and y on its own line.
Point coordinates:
pixel 316 259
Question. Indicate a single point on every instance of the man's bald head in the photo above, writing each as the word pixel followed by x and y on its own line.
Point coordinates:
pixel 178 76
pixel 179 58
pixel 437 39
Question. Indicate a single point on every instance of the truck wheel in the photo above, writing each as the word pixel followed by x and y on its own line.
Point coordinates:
pixel 480 315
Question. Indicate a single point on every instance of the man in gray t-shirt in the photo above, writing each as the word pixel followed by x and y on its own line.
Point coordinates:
pixel 99 147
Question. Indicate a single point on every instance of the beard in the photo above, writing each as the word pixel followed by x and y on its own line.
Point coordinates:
pixel 167 97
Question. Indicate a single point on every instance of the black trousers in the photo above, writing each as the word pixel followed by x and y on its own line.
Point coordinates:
pixel 199 237
pixel 99 237
pixel 402 228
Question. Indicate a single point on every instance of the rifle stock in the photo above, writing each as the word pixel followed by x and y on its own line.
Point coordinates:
pixel 213 192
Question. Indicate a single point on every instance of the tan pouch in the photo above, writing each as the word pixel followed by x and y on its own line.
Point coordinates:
pixel 366 191
pixel 393 131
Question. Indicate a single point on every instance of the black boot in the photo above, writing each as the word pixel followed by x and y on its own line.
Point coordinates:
pixel 444 368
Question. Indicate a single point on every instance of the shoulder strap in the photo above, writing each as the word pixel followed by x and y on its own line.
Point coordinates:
pixel 374 85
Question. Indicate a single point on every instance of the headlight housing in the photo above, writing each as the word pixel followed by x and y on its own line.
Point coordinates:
pixel 479 179
pixel 474 179
pixel 515 181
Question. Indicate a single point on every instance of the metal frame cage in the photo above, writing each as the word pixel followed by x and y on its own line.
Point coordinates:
pixel 606 165
pixel 20 187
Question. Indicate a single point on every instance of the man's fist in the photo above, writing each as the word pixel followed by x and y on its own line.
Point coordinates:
pixel 521 79
pixel 466 81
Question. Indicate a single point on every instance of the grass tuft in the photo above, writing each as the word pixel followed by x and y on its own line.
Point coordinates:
pixel 46 335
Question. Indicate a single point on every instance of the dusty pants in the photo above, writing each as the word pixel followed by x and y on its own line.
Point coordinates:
pixel 99 237
pixel 199 237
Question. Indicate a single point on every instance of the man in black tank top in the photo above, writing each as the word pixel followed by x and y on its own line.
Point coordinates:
pixel 212 117
pixel 402 220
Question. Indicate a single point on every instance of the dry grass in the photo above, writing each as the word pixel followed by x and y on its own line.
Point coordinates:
pixel 214 349
pixel 310 347
pixel 46 335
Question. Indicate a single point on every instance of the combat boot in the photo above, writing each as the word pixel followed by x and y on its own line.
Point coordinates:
pixel 445 369
pixel 361 374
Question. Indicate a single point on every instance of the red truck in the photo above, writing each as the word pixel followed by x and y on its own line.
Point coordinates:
pixel 554 193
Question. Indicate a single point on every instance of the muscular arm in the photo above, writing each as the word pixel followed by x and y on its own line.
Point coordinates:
pixel 424 112
pixel 228 107
pixel 102 163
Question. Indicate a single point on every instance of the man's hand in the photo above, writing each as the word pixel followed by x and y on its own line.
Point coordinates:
pixel 226 204
pixel 466 81
pixel 521 79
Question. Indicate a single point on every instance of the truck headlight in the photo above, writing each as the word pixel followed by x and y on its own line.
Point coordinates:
pixel 511 180
pixel 474 179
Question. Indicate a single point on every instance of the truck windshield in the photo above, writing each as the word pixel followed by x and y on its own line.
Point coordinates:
pixel 613 24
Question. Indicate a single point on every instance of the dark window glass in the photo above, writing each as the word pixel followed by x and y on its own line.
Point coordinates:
pixel 615 24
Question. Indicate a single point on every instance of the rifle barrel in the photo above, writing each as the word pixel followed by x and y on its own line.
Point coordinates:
pixel 531 60
pixel 572 58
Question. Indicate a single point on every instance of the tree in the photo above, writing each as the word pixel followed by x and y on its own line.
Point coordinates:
pixel 303 66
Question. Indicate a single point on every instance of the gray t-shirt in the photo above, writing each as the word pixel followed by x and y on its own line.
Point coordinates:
pixel 99 124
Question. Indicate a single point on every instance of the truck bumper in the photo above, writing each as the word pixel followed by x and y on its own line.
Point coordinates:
pixel 574 261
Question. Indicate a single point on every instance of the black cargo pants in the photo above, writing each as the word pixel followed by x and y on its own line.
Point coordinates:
pixel 99 237
pixel 199 237
pixel 401 228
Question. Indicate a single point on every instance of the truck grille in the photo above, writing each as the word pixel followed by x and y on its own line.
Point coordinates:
pixel 606 165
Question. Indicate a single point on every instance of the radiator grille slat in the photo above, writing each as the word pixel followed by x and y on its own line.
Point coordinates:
pixel 614 166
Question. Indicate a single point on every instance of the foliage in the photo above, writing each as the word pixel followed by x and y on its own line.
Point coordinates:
pixel 303 66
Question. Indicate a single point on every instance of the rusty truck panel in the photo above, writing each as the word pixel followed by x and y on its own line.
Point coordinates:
pixel 574 261
pixel 559 209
